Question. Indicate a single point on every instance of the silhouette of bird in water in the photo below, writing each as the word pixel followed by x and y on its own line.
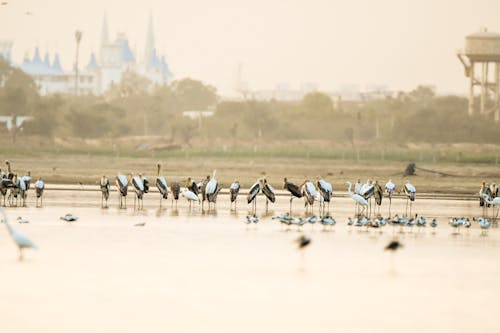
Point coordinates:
pixel 303 241
pixel 142 224
pixel 393 245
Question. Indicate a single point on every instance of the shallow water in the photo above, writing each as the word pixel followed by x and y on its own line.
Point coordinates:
pixel 191 271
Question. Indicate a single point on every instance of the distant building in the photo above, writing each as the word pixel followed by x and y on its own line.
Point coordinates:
pixel 114 58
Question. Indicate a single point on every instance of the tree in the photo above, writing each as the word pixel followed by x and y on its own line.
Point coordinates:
pixel 194 95
pixel 131 84
pixel 317 102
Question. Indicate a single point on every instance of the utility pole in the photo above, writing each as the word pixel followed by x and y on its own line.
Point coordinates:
pixel 78 38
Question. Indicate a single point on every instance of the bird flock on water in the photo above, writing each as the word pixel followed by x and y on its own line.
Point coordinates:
pixel 367 198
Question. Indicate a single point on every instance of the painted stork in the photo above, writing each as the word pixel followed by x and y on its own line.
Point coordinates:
pixel 308 192
pixel 24 186
pixel 252 194
pixel 212 190
pixel 326 190
pixel 367 191
pixel 378 193
pixel 161 184
pixel 138 183
pixel 122 182
pixel 105 187
pixel 360 200
pixel 268 191
pixel 234 189
pixel 411 193
pixel 39 187
pixel 192 186
pixel 10 174
pixel 390 188
pixel 175 187
pixel 203 191
pixel 14 190
pixel 293 189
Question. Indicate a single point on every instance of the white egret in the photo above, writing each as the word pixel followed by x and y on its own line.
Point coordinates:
pixel 357 198
pixel 21 240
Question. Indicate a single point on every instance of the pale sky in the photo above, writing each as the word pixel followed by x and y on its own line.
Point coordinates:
pixel 400 43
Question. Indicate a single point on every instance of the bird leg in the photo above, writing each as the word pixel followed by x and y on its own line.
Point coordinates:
pixel 21 254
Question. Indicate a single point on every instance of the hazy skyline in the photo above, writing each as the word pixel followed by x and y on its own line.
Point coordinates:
pixel 395 42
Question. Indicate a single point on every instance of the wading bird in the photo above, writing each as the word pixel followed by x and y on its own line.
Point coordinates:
pixel 21 240
pixel 39 187
pixel 393 245
pixel 252 195
pixel 358 199
pixel 389 188
pixel 192 186
pixel 122 185
pixel 494 202
pixel 268 191
pixel 294 191
pixel 326 190
pixel 10 174
pixel 367 191
pixel 176 189
pixel 411 193
pixel 212 190
pixel 190 196
pixel 203 190
pixel 161 184
pixel 303 241
pixel 378 193
pixel 14 191
pixel 24 186
pixel 234 189
pixel 104 185
pixel 309 193
pixel 138 184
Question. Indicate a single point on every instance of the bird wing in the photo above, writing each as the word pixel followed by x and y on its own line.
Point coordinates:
pixel 138 184
pixel 310 189
pixel 294 190
pixel 252 193
pixel 122 179
pixel 410 188
pixel 325 185
pixel 22 240
pixel 211 186
pixel 235 186
pixel 269 192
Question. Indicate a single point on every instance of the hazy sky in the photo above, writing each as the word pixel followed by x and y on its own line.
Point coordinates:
pixel 400 43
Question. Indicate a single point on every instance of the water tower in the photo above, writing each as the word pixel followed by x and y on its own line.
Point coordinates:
pixel 481 54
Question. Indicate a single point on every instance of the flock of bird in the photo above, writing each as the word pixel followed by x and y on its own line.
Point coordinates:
pixel 14 188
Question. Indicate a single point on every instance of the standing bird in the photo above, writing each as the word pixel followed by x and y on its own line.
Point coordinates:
pixel 190 196
pixel 268 191
pixel 378 193
pixel 252 194
pixel 21 240
pixel 138 184
pixel 309 193
pixel 39 187
pixel 104 185
pixel 411 192
pixel 24 186
pixel 203 190
pixel 14 190
pixel 389 188
pixel 326 190
pixel 234 189
pixel 10 174
pixel 4 182
pixel 494 202
pixel 303 241
pixel 175 187
pixel 357 198
pixel 161 184
pixel 367 191
pixel 192 186
pixel 212 190
pixel 294 191
pixel 122 184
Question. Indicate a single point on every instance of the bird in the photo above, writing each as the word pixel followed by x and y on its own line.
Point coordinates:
pixel 434 223
pixel 410 192
pixel 393 245
pixel 5 184
pixel 161 184
pixel 234 189
pixel 326 190
pixel 378 194
pixel 312 219
pixel 140 224
pixel 252 194
pixel 175 187
pixel 190 196
pixel 357 198
pixel 494 202
pixel 212 190
pixel 104 185
pixel 484 224
pixel 367 191
pixel 138 184
pixel 24 186
pixel 389 188
pixel 192 186
pixel 69 218
pixel 293 189
pixel 268 191
pixel 22 220
pixel 4 3
pixel 21 240
pixel 39 187
pixel 122 184
pixel 10 174
pixel 252 219
pixel 203 190
pixel 14 191
pixel 350 221
pixel 303 241
pixel 328 221
pixel 308 192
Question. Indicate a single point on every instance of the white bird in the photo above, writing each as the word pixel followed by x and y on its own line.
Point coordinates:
pixel 357 198
pixel 494 202
pixel 309 193
pixel 411 193
pixel 234 189
pixel 390 187
pixel 21 240
pixel 326 190
pixel 161 184
pixel 252 194
pixel 212 190
pixel 190 196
